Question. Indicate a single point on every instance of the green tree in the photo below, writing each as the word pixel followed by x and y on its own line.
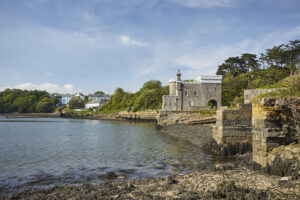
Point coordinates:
pixel 99 92
pixel 292 55
pixel 232 65
pixel 45 105
pixel 250 61
pixel 23 104
pixel 76 103
pixel 148 99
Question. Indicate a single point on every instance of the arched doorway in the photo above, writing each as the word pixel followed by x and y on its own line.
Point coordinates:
pixel 213 104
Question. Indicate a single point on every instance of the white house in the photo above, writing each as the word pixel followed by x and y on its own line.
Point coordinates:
pixel 80 95
pixel 98 96
pixel 95 103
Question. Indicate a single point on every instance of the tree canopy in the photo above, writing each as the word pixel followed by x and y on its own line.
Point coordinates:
pixel 249 72
pixel 76 103
pixel 148 97
pixel 24 101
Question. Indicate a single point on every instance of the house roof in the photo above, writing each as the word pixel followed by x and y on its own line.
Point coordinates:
pixel 98 95
pixel 66 95
pixel 78 94
pixel 94 101
pixel 98 101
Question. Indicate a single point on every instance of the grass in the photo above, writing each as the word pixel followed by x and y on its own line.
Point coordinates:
pixel 288 87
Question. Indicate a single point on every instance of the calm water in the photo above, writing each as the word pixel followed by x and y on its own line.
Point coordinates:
pixel 39 152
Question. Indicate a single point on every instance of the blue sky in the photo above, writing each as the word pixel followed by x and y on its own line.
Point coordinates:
pixel 89 45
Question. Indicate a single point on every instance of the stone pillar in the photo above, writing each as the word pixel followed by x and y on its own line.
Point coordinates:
pixel 266 129
pixel 233 131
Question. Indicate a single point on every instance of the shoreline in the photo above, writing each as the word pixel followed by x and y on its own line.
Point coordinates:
pixel 233 180
pixel 236 180
pixel 101 116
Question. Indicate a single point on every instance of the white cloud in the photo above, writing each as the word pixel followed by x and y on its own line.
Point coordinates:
pixel 206 3
pixel 50 87
pixel 129 41
pixel 49 74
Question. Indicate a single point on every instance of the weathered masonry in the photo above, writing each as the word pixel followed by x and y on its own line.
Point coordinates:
pixel 193 96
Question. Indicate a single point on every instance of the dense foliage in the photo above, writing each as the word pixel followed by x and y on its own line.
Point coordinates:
pixel 148 97
pixel 249 72
pixel 24 101
pixel 76 103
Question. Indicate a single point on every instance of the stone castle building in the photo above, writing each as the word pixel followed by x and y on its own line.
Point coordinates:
pixel 193 95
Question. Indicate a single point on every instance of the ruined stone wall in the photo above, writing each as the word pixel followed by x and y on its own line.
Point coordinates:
pixel 275 134
pixel 234 125
pixel 233 130
pixel 250 94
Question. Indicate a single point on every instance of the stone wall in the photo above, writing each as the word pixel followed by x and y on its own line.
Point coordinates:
pixel 250 94
pixel 170 102
pixel 142 115
pixel 275 133
pixel 200 94
pixel 233 130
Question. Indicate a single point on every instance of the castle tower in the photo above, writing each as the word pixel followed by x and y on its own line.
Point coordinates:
pixel 178 75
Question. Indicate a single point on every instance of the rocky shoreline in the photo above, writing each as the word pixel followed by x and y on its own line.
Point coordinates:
pixel 237 180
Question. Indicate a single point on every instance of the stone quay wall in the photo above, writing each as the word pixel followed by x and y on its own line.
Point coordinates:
pixel 142 115
pixel 232 133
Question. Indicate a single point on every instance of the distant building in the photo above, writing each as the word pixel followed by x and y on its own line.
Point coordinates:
pixel 195 95
pixel 95 103
pixel 79 95
pixel 65 98
pixel 98 96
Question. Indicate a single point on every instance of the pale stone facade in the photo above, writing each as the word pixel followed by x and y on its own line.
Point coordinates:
pixel 192 96
pixel 250 94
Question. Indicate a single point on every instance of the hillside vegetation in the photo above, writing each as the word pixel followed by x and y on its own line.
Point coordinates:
pixel 148 97
pixel 249 72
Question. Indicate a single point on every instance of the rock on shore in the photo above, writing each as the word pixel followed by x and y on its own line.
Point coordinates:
pixel 235 182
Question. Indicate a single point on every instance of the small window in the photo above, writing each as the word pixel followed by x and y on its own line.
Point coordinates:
pixel 196 93
pixel 191 103
pixel 186 92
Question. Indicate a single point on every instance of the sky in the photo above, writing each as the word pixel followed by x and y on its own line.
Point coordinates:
pixel 70 46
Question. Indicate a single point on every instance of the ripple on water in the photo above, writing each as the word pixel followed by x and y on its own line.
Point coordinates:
pixel 47 152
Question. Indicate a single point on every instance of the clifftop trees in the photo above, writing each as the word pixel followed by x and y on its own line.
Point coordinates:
pixel 247 72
